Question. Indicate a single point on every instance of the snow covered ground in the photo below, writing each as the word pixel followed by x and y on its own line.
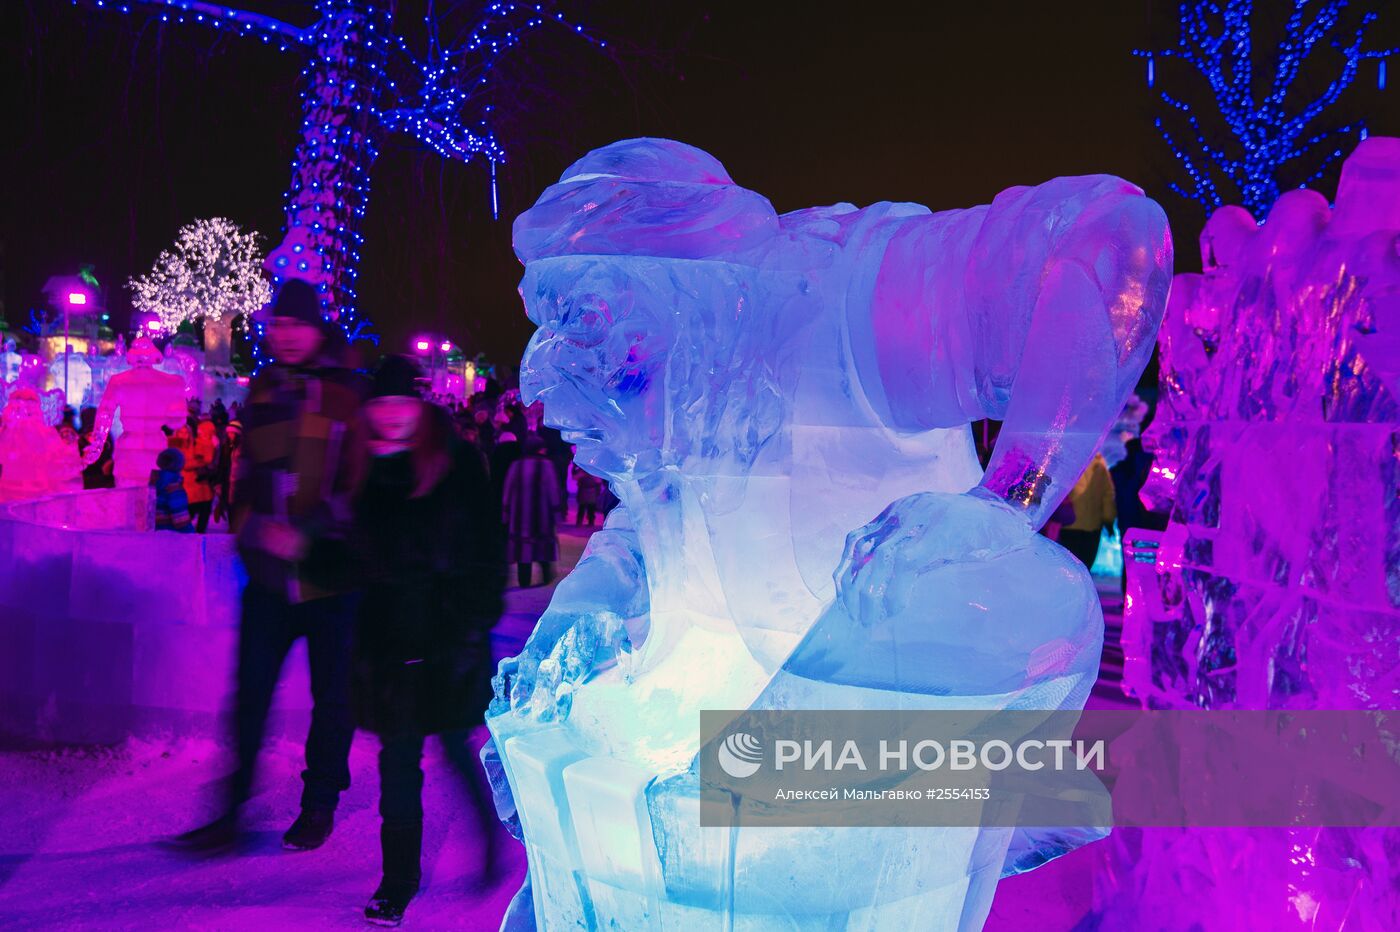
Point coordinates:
pixel 80 833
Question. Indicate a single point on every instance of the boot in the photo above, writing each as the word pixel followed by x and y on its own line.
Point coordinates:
pixel 402 844
pixel 310 830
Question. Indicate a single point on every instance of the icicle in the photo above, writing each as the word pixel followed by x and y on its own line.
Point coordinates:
pixel 495 201
pixel 1151 71
pixel 1380 74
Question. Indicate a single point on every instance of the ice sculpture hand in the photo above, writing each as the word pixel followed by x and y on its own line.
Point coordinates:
pixel 589 625
pixel 932 598
pixel 917 534
pixel 101 428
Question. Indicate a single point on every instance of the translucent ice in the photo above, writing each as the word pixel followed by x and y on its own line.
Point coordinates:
pixel 1277 462
pixel 143 400
pixel 782 405
pixel 34 460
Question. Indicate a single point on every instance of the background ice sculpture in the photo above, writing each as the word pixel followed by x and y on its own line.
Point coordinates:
pixel 34 460
pixel 767 393
pixel 145 400
pixel 1278 580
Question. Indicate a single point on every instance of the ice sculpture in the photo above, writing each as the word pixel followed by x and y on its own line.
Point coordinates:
pixel 767 393
pixel 144 400
pixel 29 372
pixel 1279 580
pixel 34 460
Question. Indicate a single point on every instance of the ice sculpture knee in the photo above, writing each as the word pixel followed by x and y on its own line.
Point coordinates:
pixel 757 387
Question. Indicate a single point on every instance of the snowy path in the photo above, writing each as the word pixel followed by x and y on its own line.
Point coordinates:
pixel 80 833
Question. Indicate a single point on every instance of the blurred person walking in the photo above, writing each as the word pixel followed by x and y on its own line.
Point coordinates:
pixel 292 514
pixel 429 534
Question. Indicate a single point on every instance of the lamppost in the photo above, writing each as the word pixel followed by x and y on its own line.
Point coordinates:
pixel 73 295
pixel 75 299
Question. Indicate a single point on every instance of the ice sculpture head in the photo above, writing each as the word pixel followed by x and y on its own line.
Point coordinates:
pixel 143 352
pixel 1368 194
pixel 24 405
pixel 641 268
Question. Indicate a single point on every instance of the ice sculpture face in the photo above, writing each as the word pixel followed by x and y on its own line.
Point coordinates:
pixel 767 393
pixel 634 358
pixel 605 331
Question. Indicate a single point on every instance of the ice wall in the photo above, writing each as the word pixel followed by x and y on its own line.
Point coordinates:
pixel 109 630
pixel 782 405
pixel 1277 584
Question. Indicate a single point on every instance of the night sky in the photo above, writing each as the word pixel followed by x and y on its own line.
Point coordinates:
pixel 119 130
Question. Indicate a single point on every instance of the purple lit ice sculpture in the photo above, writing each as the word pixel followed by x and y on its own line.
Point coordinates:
pixel 34 459
pixel 143 400
pixel 1279 464
pixel 782 404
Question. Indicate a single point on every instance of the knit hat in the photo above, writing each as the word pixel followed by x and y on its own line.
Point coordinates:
pixel 396 376
pixel 298 299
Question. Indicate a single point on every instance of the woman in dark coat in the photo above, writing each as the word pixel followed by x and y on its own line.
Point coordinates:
pixel 435 576
pixel 529 506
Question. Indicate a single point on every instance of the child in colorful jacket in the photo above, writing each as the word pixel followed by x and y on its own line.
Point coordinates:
pixel 172 504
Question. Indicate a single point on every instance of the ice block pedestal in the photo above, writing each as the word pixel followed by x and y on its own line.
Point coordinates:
pixel 110 630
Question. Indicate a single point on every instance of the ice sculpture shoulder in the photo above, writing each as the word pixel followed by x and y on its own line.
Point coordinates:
pixel 769 393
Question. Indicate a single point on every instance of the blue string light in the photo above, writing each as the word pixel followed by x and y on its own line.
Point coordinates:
pixel 1266 132
pixel 362 83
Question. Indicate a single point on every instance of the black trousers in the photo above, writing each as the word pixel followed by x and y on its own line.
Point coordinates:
pixel 1083 544
pixel 270 625
pixel 522 574
pixel 401 797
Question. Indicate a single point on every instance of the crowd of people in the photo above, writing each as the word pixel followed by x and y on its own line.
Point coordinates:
pixel 378 523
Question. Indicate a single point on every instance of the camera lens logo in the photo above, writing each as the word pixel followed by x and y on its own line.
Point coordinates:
pixel 740 755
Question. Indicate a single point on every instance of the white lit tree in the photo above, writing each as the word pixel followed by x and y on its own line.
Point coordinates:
pixel 213 273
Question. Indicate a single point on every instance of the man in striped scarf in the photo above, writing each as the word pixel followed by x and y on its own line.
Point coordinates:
pixel 292 512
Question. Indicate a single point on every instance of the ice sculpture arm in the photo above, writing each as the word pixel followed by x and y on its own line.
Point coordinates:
pixel 101 427
pixel 1067 359
pixel 591 619
pixel 1043 308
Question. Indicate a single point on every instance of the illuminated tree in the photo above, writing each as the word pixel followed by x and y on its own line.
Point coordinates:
pixel 1273 136
pixel 363 82
pixel 214 273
